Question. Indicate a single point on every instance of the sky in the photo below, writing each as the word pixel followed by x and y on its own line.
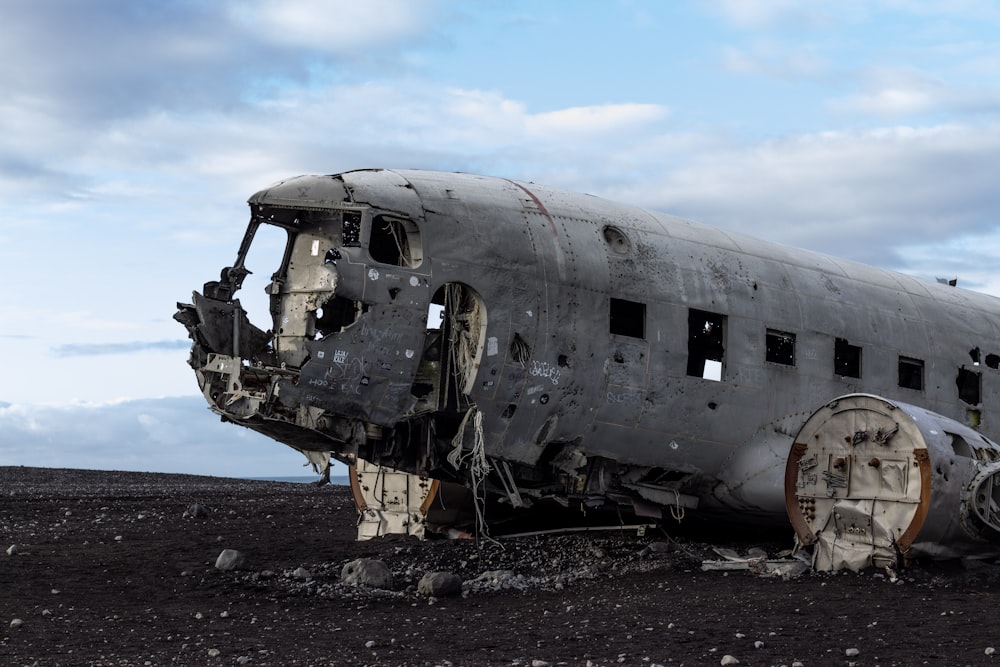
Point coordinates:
pixel 133 131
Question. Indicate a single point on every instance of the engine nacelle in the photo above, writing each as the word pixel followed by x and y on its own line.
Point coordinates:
pixel 869 480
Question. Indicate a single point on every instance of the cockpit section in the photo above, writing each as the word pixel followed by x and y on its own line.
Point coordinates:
pixel 332 349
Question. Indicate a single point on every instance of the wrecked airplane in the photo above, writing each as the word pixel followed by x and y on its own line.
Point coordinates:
pixel 533 344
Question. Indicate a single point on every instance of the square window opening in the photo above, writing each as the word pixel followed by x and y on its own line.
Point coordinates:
pixel 628 318
pixel 846 359
pixel 706 344
pixel 911 373
pixel 780 347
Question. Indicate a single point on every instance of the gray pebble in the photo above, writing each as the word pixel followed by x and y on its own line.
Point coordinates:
pixel 230 559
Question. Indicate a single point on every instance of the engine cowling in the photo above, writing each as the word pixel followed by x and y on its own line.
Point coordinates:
pixel 870 480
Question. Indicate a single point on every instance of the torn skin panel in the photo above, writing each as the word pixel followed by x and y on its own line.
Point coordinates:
pixel 365 371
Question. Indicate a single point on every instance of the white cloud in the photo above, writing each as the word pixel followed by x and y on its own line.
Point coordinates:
pixel 340 27
pixel 158 435
pixel 594 120
pixel 891 93
pixel 862 195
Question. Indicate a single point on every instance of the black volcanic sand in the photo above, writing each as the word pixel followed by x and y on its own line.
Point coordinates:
pixel 108 571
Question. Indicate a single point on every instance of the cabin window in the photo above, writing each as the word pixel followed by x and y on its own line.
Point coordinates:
pixel 351 231
pixel 969 383
pixel 993 361
pixel 395 241
pixel 911 373
pixel 706 344
pixel 628 318
pixel 780 347
pixel 846 359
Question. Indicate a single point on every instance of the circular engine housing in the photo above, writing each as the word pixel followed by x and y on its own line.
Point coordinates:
pixel 869 479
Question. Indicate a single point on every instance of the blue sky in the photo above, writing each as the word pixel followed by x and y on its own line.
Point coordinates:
pixel 132 132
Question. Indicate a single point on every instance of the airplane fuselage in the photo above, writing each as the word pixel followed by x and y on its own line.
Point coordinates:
pixel 575 347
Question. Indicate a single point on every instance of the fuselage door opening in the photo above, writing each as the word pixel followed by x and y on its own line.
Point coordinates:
pixel 453 348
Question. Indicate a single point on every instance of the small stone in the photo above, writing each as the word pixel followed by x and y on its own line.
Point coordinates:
pixel 728 660
pixel 213 653
pixel 302 573
pixel 16 623
pixel 370 643
pixel 539 663
pixel 118 538
pixel 758 644
pixel 11 550
pixel 990 650
pixel 243 659
pixel 656 549
pixel 196 510
pixel 367 572
pixel 440 584
pixel 852 653
pixel 230 559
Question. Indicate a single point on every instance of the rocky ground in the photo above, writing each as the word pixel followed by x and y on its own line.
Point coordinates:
pixel 110 568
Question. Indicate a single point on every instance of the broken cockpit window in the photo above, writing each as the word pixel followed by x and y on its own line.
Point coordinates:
pixel 706 345
pixel 264 260
pixel 395 241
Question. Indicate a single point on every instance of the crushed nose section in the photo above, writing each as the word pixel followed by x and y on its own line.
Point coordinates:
pixel 869 480
pixel 221 327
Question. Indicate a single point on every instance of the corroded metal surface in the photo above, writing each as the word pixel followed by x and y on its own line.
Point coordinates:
pixel 534 344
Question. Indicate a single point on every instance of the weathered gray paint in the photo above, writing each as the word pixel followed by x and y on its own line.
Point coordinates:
pixel 584 398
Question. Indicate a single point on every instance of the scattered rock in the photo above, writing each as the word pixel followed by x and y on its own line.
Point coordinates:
pixel 852 653
pixel 214 653
pixel 440 584
pixel 16 623
pixel 367 572
pixel 302 573
pixel 11 550
pixel 655 549
pixel 196 510
pixel 990 650
pixel 230 559
pixel 539 663
pixel 728 660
